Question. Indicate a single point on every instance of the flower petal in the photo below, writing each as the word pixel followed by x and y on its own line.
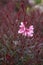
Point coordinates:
pixel 31 27
pixel 22 25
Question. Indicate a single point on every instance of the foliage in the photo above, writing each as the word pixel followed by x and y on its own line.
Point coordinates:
pixel 16 49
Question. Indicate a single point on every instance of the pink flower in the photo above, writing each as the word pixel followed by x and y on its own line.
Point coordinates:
pixel 22 28
pixel 26 31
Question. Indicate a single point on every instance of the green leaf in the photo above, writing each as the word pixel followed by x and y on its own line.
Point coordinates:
pixel 37 1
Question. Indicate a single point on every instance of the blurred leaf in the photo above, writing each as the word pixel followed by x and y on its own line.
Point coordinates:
pixel 27 10
pixel 17 7
pixel 26 58
pixel 20 62
pixel 38 1
pixel 41 1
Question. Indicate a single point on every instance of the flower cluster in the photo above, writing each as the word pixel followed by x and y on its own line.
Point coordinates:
pixel 26 31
